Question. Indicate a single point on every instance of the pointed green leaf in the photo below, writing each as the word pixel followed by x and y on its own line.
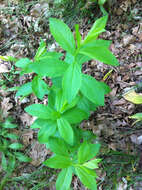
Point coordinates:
pixel 71 82
pixel 22 158
pixel 75 115
pixel 62 34
pixel 97 28
pixel 4 162
pixel 87 151
pixel 22 63
pixel 41 50
pixel 39 87
pixel 11 136
pixel 49 67
pixel 137 116
pixel 65 130
pixel 16 146
pixel 39 110
pixel 58 146
pixel 64 179
pixel 58 162
pixel 92 90
pixel 93 164
pixel 24 90
pixel 46 131
pixel 88 180
pixel 98 50
pixel 11 164
pixel 78 35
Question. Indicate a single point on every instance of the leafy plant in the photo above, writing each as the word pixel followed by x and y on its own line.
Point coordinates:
pixel 71 98
pixel 9 148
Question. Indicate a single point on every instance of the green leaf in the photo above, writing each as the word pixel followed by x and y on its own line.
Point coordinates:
pixel 98 50
pixel 75 115
pixel 41 50
pixel 89 171
pixel 93 164
pixel 97 28
pixel 80 59
pixel 11 164
pixel 22 158
pixel 39 87
pixel 92 90
pixel 49 67
pixel 25 90
pixel 71 81
pixel 88 180
pixel 62 34
pixel 137 116
pixel 16 146
pixel 39 123
pixel 58 162
pixel 58 146
pixel 39 110
pixel 23 63
pixel 8 125
pixel 86 105
pixel 105 87
pixel 69 58
pixel 87 151
pixel 64 179
pixel 8 58
pixel 60 100
pixel 65 130
pixel 78 35
pixel 4 162
pixel 46 131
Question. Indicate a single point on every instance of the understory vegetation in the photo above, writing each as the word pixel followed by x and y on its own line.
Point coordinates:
pixel 70 89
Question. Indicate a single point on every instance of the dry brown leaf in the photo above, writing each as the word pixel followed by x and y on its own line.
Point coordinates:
pixel 4 68
pixel 26 119
pixel 38 153
pixel 6 106
pixel 27 137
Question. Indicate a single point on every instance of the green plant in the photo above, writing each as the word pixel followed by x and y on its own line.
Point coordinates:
pixel 9 148
pixel 71 98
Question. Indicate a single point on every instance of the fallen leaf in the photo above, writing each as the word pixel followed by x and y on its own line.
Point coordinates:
pixel 4 68
pixel 38 153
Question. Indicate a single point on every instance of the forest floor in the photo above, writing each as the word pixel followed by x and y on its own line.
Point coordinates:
pixel 21 27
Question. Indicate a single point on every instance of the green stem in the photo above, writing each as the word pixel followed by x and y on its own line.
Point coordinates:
pixel 103 10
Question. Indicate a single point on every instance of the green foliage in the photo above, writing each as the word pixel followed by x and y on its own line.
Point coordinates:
pixel 9 146
pixel 71 98
pixel 10 149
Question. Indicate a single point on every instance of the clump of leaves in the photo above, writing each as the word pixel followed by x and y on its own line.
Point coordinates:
pixel 9 148
pixel 71 98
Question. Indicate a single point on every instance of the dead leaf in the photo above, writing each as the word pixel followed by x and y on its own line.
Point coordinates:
pixel 133 97
pixel 4 69
pixel 6 106
pixel 38 153
pixel 26 119
pixel 27 137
